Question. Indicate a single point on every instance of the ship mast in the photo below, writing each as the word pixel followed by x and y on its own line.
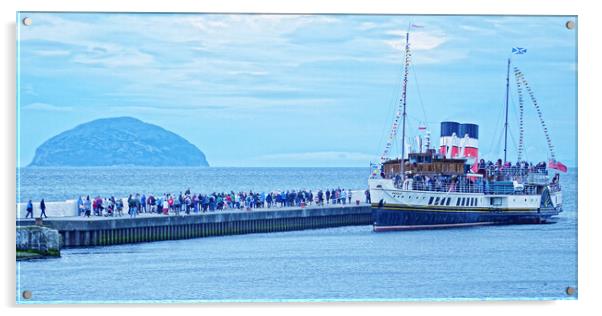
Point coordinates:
pixel 506 123
pixel 404 100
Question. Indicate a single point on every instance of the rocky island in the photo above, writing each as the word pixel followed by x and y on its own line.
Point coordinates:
pixel 118 141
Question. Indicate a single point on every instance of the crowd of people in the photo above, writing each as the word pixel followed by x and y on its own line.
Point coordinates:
pixel 501 171
pixel 188 202
pixel 480 182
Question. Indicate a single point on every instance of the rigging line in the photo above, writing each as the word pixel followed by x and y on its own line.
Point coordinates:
pixel 419 93
pixel 499 144
pixel 539 113
pixel 393 97
pixel 512 138
pixel 519 90
pixel 401 113
pixel 520 124
pixel 499 118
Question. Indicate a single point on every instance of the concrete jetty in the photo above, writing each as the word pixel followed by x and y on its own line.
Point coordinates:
pixel 37 242
pixel 103 231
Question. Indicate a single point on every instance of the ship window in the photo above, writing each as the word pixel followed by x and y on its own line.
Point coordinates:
pixel 457 201
pixel 448 201
pixel 496 201
pixel 476 202
pixel 431 200
pixel 463 201
pixel 437 201
pixel 472 202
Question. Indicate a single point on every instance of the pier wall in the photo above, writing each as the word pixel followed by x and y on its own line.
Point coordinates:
pixel 36 241
pixel 53 209
pixel 82 232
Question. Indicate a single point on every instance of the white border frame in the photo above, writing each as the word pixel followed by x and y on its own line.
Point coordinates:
pixel 589 48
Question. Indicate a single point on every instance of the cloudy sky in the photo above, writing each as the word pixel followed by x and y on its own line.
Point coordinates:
pixel 290 90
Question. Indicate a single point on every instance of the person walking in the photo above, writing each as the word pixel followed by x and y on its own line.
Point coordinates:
pixel 349 195
pixel 143 203
pixel 43 209
pixel 87 206
pixel 29 209
pixel 80 206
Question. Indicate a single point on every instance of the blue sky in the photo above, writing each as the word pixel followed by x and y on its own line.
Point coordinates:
pixel 291 90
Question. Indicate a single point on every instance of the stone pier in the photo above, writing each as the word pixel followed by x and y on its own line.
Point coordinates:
pixel 104 231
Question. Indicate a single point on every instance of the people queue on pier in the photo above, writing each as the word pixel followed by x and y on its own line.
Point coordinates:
pixel 187 202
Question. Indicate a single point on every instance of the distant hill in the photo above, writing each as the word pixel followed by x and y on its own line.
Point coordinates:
pixel 118 141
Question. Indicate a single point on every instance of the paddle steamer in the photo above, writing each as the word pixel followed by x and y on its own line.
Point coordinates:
pixel 450 186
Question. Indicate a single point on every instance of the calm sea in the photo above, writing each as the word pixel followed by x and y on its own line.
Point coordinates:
pixel 348 263
pixel 59 184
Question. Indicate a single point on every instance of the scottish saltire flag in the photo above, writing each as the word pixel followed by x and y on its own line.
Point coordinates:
pixel 417 26
pixel 519 50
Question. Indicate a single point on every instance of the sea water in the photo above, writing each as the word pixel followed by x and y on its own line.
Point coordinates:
pixel 346 263
pixel 59 184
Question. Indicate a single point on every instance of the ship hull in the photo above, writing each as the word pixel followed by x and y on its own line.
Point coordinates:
pixel 391 218
pixel 398 209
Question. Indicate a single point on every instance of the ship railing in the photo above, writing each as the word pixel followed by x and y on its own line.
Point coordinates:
pixel 487 188
pixel 537 178
pixel 510 174
pixel 447 187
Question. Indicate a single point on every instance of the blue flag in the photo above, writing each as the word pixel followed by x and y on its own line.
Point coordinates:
pixel 519 50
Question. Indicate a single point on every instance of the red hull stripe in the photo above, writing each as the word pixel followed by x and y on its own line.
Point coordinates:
pixel 416 227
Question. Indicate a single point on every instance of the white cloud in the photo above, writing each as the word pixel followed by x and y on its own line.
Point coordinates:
pixel 247 73
pixel 52 53
pixel 113 56
pixel 319 157
pixel 418 40
pixel 46 107
pixel 367 26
